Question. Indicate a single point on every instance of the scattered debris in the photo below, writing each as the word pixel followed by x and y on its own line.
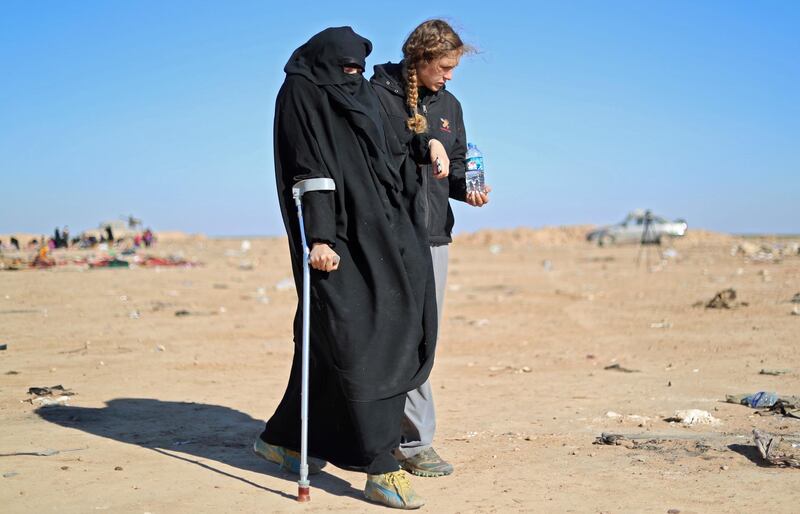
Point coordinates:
pixel 634 418
pixel 50 391
pixel 161 348
pixel 761 253
pixel 795 298
pixel 617 367
pixel 772 402
pixel 172 261
pixel 547 265
pixel 693 417
pixel 796 310
pixel 776 450
pixel 495 249
pixel 109 262
pixel 49 396
pixel 10 474
pixel 610 439
pixel 661 324
pixel 774 372
pixel 479 322
pixel 757 400
pixel 495 369
pixel 48 402
pixel 134 315
pixel 182 312
pixel 725 299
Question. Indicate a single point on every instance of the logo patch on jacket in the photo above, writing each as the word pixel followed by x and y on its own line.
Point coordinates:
pixel 445 124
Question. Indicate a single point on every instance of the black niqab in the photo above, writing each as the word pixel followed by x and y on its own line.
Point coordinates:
pixel 322 57
pixel 373 321
pixel 322 60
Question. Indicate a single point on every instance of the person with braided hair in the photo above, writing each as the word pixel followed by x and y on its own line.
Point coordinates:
pixel 426 137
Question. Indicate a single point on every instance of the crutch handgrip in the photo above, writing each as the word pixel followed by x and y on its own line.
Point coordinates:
pixel 312 184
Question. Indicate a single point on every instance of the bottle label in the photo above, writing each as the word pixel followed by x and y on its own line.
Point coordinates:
pixel 474 163
pixel 475 181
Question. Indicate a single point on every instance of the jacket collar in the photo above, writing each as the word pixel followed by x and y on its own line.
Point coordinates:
pixel 390 76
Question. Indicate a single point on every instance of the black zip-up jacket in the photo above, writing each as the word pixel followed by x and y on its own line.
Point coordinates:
pixel 445 123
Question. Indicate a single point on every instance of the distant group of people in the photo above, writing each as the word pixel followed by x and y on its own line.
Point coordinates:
pixel 61 239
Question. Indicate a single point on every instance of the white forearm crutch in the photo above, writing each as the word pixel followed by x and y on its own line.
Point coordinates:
pixel 299 189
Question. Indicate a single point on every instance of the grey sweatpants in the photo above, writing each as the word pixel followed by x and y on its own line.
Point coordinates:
pixel 419 423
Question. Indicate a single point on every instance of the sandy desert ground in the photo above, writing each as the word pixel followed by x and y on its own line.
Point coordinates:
pixel 166 407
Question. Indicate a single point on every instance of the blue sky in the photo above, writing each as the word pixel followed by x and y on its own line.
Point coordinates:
pixel 584 109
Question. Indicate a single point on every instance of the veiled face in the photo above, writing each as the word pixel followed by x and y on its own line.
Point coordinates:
pixel 435 74
pixel 324 57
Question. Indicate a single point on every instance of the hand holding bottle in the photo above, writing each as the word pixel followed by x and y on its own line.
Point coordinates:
pixel 479 198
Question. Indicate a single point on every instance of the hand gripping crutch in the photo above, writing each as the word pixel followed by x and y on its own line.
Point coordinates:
pixel 299 189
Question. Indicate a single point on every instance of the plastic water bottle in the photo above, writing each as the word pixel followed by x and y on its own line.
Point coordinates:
pixel 474 174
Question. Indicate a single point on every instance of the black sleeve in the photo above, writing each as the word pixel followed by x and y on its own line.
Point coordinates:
pixel 418 148
pixel 298 118
pixel 458 155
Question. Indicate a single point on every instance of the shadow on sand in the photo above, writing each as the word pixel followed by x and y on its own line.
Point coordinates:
pixel 751 453
pixel 184 430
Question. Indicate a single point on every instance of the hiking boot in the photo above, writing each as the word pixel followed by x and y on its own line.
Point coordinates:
pixel 427 463
pixel 393 490
pixel 286 458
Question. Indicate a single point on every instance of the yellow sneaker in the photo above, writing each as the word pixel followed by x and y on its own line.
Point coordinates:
pixel 286 458
pixel 393 490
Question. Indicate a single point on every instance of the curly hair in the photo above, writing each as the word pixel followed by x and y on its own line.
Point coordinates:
pixel 431 40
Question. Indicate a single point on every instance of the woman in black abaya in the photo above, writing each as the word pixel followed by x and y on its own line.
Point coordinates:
pixel 373 309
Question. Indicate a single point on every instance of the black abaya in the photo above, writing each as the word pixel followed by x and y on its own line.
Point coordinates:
pixel 373 321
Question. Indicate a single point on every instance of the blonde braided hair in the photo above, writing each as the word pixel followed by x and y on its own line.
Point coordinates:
pixel 431 40
pixel 417 122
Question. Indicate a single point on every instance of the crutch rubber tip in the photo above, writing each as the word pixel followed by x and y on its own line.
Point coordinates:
pixel 303 493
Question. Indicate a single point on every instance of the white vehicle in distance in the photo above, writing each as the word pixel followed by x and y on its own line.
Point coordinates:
pixel 640 226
